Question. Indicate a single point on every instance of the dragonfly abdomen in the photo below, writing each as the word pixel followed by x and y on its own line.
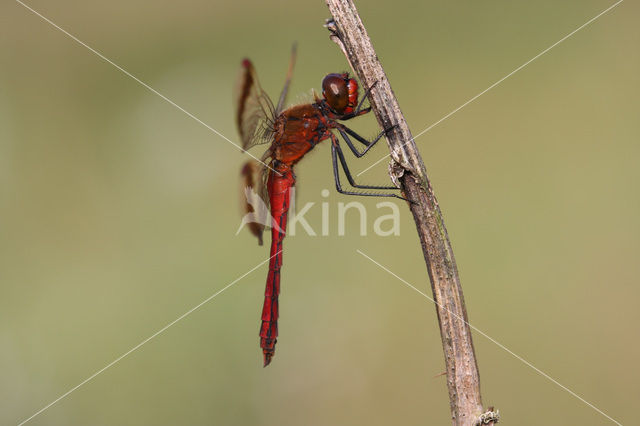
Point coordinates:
pixel 279 186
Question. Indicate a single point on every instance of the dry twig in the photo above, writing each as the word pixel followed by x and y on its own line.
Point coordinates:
pixel 408 171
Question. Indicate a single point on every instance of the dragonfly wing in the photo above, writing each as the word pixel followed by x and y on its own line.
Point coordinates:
pixel 255 113
pixel 255 205
pixel 287 82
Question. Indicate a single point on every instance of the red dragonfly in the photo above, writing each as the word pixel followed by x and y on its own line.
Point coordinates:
pixel 292 133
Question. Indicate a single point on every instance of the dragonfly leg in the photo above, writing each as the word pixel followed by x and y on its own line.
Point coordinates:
pixel 345 132
pixel 359 110
pixel 337 155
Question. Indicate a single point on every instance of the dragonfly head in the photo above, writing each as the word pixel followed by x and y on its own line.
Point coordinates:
pixel 340 92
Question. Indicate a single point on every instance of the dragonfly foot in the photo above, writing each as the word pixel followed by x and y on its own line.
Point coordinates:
pixel 390 128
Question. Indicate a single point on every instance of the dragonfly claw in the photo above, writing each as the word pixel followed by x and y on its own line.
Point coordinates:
pixel 390 128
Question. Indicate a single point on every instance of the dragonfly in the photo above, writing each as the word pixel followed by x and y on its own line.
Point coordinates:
pixel 291 133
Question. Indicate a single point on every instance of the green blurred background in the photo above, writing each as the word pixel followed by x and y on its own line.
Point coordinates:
pixel 118 214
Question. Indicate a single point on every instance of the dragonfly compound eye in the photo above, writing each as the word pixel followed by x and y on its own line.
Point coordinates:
pixel 336 92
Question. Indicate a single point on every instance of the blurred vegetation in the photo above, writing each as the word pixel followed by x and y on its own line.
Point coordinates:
pixel 118 213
